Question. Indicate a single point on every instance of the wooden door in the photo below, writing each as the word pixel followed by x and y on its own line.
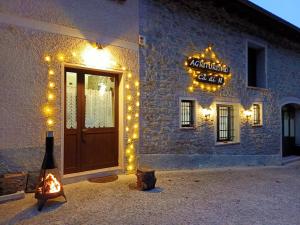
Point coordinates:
pixel 91 120
pixel 288 130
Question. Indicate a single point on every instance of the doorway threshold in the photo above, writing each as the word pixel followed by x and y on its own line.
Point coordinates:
pixel 290 159
pixel 82 176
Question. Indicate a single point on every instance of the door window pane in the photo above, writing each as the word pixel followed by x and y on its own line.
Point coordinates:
pixel 292 127
pixel 99 101
pixel 286 124
pixel 71 100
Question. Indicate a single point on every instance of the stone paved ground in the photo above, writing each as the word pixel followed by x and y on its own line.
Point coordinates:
pixel 267 196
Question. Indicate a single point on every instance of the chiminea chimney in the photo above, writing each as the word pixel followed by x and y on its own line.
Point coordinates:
pixel 49 183
pixel 49 162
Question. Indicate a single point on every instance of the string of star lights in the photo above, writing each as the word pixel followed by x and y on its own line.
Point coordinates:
pixel 211 67
pixel 99 58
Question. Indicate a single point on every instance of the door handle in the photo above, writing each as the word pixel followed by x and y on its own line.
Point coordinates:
pixel 83 131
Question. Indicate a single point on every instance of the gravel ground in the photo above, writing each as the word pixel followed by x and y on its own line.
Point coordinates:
pixel 257 195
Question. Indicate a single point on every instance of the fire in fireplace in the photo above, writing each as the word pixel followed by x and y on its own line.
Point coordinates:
pixel 49 184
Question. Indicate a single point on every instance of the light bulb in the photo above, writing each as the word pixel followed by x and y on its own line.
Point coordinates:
pixel 50 96
pixel 51 84
pixel 47 58
pixel 50 122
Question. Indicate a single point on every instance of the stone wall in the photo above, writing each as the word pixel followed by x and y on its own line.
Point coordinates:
pixel 175 30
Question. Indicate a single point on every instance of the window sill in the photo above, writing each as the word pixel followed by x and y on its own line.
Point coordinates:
pixel 258 88
pixel 257 125
pixel 227 143
pixel 187 128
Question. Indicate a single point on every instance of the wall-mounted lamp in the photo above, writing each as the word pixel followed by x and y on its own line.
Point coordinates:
pixel 207 113
pixel 248 113
pixel 96 56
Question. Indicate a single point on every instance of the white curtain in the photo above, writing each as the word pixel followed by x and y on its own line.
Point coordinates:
pixel 98 109
pixel 71 108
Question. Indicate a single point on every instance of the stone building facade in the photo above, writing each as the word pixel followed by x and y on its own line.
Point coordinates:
pixel 152 80
pixel 175 30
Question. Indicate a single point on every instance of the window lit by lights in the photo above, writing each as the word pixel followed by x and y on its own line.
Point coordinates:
pixel 257 118
pixel 71 100
pixel 225 126
pixel 99 101
pixel 187 113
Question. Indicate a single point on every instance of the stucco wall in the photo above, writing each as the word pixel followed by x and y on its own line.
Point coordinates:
pixel 24 73
pixel 114 18
pixel 175 30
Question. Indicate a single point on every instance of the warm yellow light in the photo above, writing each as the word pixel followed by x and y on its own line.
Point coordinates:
pixel 127 86
pixel 129 117
pixel 136 115
pixel 97 58
pixel 136 126
pixel 138 93
pixel 128 151
pixel 47 110
pixel 50 122
pixel 190 70
pixel 130 168
pixel 136 83
pixel 50 96
pixel 185 63
pixel 61 57
pixel 131 158
pixel 214 88
pixel 51 72
pixel 213 55
pixel 124 68
pixel 191 88
pixel 248 113
pixel 74 54
pixel 129 75
pixel 129 108
pixel 202 55
pixel 134 136
pixel 47 58
pixel 129 140
pixel 129 97
pixel 206 112
pixel 51 84
pixel 137 103
pixel 127 129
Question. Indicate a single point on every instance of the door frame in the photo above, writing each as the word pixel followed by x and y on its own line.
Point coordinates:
pixel 121 125
pixel 283 102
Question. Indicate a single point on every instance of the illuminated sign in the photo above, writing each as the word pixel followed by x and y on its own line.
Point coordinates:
pixel 208 72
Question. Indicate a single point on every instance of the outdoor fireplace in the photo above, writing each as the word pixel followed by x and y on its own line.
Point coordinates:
pixel 49 184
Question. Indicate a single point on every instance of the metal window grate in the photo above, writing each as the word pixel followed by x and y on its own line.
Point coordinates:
pixel 225 126
pixel 187 115
pixel 256 114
